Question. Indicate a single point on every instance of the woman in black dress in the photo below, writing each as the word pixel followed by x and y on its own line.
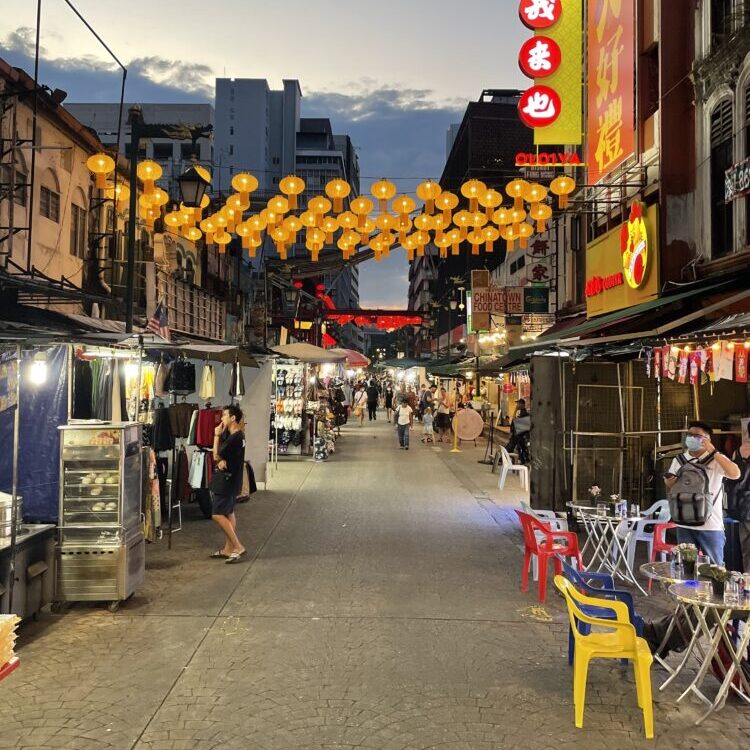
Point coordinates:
pixel 388 401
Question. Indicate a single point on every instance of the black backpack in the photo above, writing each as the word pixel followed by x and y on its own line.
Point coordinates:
pixel 738 491
pixel 690 499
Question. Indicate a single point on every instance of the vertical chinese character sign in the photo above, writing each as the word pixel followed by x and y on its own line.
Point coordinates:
pixel 553 57
pixel 611 86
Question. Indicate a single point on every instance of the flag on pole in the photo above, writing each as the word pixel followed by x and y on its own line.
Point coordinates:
pixel 158 323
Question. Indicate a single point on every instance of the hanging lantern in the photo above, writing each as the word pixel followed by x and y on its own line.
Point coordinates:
pixel 222 240
pixel 382 191
pixel 562 187
pixel 455 237
pixel 193 234
pixel 236 203
pixel 404 229
pixel 119 193
pixel 388 240
pixel 463 220
pixel 428 192
pixel 536 193
pixel 476 238
pixel 501 217
pixel 221 226
pixel 244 232
pixel 337 190
pixel 346 220
pixel 256 224
pixel 254 243
pixel 510 236
pixel 148 172
pixel 280 237
pixel 231 217
pixel 446 202
pixel 424 223
pixel 491 235
pixel 541 213
pixel 197 212
pixel 245 183
pixel 345 247
pixel 270 218
pixel 208 226
pixel 292 186
pixel 422 239
pixel 330 225
pixel 278 204
pixel 524 232
pixel 309 219
pixel 387 223
pixel 403 205
pixel 490 201
pixel 443 242
pixel 376 245
pixel 173 220
pixel 316 237
pixel 100 165
pixel 367 228
pixel 517 215
pixel 361 207
pixel 410 245
pixel 320 206
pixel 478 219
pixel 439 225
pixel 293 225
pixel 473 189
pixel 159 197
pixel 188 220
pixel 517 190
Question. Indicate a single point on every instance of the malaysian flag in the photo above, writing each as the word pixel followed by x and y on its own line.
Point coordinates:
pixel 158 323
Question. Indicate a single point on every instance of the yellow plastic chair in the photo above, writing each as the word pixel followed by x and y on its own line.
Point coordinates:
pixel 619 642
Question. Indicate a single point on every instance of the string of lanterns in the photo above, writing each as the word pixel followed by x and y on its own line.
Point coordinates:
pixel 327 222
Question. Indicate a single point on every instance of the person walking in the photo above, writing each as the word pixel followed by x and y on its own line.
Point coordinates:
pixel 404 421
pixel 427 422
pixel 388 401
pixel 443 421
pixel 226 483
pixel 373 394
pixel 360 404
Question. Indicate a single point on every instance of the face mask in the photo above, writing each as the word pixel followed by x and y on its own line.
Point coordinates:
pixel 693 443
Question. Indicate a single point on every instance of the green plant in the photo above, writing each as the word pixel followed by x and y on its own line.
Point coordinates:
pixel 688 552
pixel 715 573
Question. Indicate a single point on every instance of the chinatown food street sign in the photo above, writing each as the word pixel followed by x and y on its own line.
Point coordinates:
pixel 737 181
pixel 553 57
pixel 488 300
pixel 610 138
pixel 622 265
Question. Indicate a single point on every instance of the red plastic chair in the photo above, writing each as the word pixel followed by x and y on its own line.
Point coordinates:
pixel 661 546
pixel 563 543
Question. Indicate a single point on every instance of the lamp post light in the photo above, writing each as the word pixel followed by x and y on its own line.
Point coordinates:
pixel 452 305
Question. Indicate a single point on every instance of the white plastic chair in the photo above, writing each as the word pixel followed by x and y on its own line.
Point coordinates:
pixel 550 519
pixel 508 465
pixel 643 530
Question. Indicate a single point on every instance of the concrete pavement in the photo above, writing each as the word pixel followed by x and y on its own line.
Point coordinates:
pixel 380 608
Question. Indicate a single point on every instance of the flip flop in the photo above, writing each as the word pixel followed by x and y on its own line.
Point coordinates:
pixel 235 557
pixel 219 555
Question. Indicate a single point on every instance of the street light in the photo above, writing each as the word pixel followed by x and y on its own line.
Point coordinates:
pixel 452 305
pixel 193 186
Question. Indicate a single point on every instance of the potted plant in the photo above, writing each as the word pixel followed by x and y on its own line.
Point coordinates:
pixel 688 555
pixel 718 575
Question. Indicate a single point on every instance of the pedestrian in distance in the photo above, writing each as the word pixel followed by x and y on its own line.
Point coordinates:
pixel 443 420
pixel 373 394
pixel 404 421
pixel 360 404
pixel 427 423
pixel 226 482
pixel 388 401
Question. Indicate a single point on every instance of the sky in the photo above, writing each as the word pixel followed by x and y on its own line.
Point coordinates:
pixel 392 75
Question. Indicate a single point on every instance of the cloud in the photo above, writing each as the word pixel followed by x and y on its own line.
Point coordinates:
pixel 22 40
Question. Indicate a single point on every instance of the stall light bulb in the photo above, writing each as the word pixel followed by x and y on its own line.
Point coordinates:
pixel 131 370
pixel 731 345
pixel 470 374
pixel 38 373
pixel 675 349
pixel 747 345
pixel 687 349
pixel 716 346
pixel 350 373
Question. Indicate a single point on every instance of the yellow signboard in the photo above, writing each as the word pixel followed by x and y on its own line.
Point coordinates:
pixel 622 266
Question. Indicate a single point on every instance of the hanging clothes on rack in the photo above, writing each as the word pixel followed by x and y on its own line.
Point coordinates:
pixel 197 469
pixel 160 380
pixel 208 420
pixel 103 405
pixel 82 389
pixel 208 382
pixel 236 382
pixel 179 418
pixel 182 377
pixel 182 477
pixel 161 437
pixel 193 429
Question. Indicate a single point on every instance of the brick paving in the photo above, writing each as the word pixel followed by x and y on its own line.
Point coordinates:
pixel 380 609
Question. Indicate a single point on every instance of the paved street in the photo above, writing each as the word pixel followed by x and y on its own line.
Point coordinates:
pixel 380 609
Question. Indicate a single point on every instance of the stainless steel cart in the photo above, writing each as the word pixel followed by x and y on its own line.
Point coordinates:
pixel 100 549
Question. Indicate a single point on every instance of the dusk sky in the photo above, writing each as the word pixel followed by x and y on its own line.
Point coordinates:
pixel 393 79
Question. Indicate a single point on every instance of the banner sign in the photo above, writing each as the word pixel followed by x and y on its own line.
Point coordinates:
pixel 488 300
pixel 737 181
pixel 553 57
pixel 8 380
pixel 610 138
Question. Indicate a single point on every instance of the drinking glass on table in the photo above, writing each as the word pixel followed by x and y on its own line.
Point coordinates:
pixel 700 560
pixel 675 563
pixel 732 591
pixel 703 590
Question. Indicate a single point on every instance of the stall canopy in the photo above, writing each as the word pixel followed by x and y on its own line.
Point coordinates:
pixel 353 358
pixel 313 355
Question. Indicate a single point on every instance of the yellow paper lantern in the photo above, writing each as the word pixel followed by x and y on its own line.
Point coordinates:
pixel 517 190
pixel 424 223
pixel 517 215
pixel 463 220
pixel 455 238
pixel 439 224
pixel 490 201
pixel 148 172
pixel 345 247
pixel 173 220
pixel 367 228
pixel 422 239
pixel 293 225
pixel 243 231
pixel 256 223
pixel 361 207
pixel 376 245
pixel 501 217
pixel 244 183
pixel 100 165
pixel 541 213
pixel 280 237
pixel 536 193
pixel 119 193
pixel 403 205
pixel 222 240
pixel 220 220
pixel 232 217
pixel 279 205
pixel 159 197
pixel 510 236
pixel 337 190
pixel 473 189
pixel 236 203
pixel 346 220
pixel 382 191
pixel 476 238
pixel 205 203
pixel 478 219
pixel 562 187
pixel 270 218
pixel 491 235
pixel 446 202
pixel 443 242
pixel 254 243
pixel 524 232
pixel 409 244
pixel 292 186
pixel 404 229
pixel 193 234
pixel 329 226
pixel 208 226
pixel 387 223
pixel 350 237
pixel 387 239
pixel 428 192
pixel 188 221
pixel 320 206
pixel 308 219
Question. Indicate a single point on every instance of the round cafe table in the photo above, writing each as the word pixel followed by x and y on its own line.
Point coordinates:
pixel 705 606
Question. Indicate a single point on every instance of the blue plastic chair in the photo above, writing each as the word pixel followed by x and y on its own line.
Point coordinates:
pixel 582 581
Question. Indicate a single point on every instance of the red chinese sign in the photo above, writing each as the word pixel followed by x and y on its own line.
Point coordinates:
pixel 539 106
pixel 539 57
pixel 611 85
pixel 539 14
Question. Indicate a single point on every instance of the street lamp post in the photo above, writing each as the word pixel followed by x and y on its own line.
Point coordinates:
pixel 452 305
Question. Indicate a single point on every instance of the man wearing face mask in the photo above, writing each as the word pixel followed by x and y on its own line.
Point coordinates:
pixel 708 537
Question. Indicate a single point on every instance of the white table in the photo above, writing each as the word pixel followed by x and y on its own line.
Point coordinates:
pixel 607 548
pixel 713 607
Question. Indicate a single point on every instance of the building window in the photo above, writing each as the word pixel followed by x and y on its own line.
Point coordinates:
pixel 49 204
pixel 721 21
pixel 722 214
pixel 19 184
pixel 77 231
pixel 163 151
pixel 187 152
pixel 231 130
pixel 231 149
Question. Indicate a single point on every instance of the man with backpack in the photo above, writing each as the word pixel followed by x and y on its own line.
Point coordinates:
pixel 695 490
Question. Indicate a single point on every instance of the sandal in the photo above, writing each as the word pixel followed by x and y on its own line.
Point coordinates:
pixel 235 557
pixel 219 555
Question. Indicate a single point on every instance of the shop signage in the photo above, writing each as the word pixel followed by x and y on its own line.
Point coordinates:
pixel 508 387
pixel 535 299
pixel 611 85
pixel 622 265
pixel 737 181
pixel 8 380
pixel 552 57
pixel 548 159
pixel 537 323
pixel 488 300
